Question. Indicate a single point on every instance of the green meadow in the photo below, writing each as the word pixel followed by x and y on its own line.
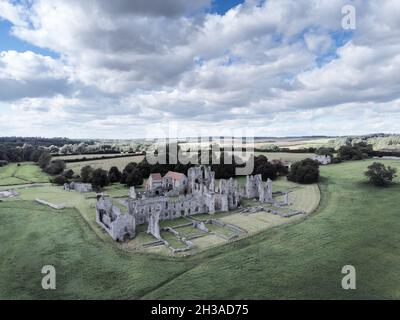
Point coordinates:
pixel 355 223
pixel 24 173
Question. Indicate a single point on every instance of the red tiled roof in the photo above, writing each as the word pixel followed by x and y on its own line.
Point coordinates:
pixel 155 176
pixel 175 175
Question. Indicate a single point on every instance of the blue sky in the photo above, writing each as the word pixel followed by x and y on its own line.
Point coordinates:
pixel 10 42
pixel 221 6
pixel 281 68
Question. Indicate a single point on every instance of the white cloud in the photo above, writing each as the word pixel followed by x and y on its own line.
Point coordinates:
pixel 136 64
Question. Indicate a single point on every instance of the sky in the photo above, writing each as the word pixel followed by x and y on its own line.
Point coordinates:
pixel 136 68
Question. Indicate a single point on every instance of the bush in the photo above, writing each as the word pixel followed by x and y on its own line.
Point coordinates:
pixel 305 171
pixel 69 174
pixel 59 180
pixel 379 175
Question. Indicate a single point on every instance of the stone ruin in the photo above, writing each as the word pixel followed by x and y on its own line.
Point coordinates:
pixel 200 196
pixel 78 186
pixel 8 194
pixel 256 188
pixel 118 225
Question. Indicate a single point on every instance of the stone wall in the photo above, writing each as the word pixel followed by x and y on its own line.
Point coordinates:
pixel 78 186
pixel 118 225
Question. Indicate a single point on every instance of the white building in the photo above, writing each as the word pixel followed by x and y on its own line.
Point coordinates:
pixel 154 182
pixel 175 181
pixel 322 159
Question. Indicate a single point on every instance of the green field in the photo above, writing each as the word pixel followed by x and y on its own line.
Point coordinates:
pixel 105 164
pixel 285 156
pixel 24 173
pixel 355 224
pixel 87 156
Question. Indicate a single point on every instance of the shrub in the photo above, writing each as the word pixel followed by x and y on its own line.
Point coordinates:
pixel 69 174
pixel 59 180
pixel 379 175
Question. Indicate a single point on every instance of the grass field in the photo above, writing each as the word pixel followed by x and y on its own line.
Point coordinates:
pixel 25 173
pixel 105 164
pixel 285 156
pixel 121 163
pixel 87 156
pixel 355 224
pixel 294 143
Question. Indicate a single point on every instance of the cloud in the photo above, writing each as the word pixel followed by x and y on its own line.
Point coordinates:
pixel 282 67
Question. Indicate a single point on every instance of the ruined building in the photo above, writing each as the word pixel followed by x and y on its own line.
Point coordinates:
pixel 174 196
pixel 256 188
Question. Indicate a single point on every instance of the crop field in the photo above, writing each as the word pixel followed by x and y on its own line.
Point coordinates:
pixel 355 223
pixel 24 173
pixel 285 156
pixel 293 143
pixel 105 164
pixel 87 156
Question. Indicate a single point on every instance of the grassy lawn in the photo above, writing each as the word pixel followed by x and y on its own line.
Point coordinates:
pixel 33 236
pixel 24 173
pixel 355 224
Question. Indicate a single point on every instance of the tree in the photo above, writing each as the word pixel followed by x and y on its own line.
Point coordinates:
pixel 69 174
pixel 100 178
pixel 379 175
pixel 144 168
pixel 87 174
pixel 267 170
pixel 130 167
pixel 134 178
pixel 325 151
pixel 305 171
pixel 114 175
pixel 357 151
pixel 44 159
pixel 55 167
pixel 281 168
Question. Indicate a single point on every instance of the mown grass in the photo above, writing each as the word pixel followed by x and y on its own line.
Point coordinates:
pixel 22 173
pixel 356 224
pixel 33 236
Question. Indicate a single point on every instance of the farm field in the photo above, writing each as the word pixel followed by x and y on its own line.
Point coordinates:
pixel 294 143
pixel 355 224
pixel 105 164
pixel 25 173
pixel 87 156
pixel 285 156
